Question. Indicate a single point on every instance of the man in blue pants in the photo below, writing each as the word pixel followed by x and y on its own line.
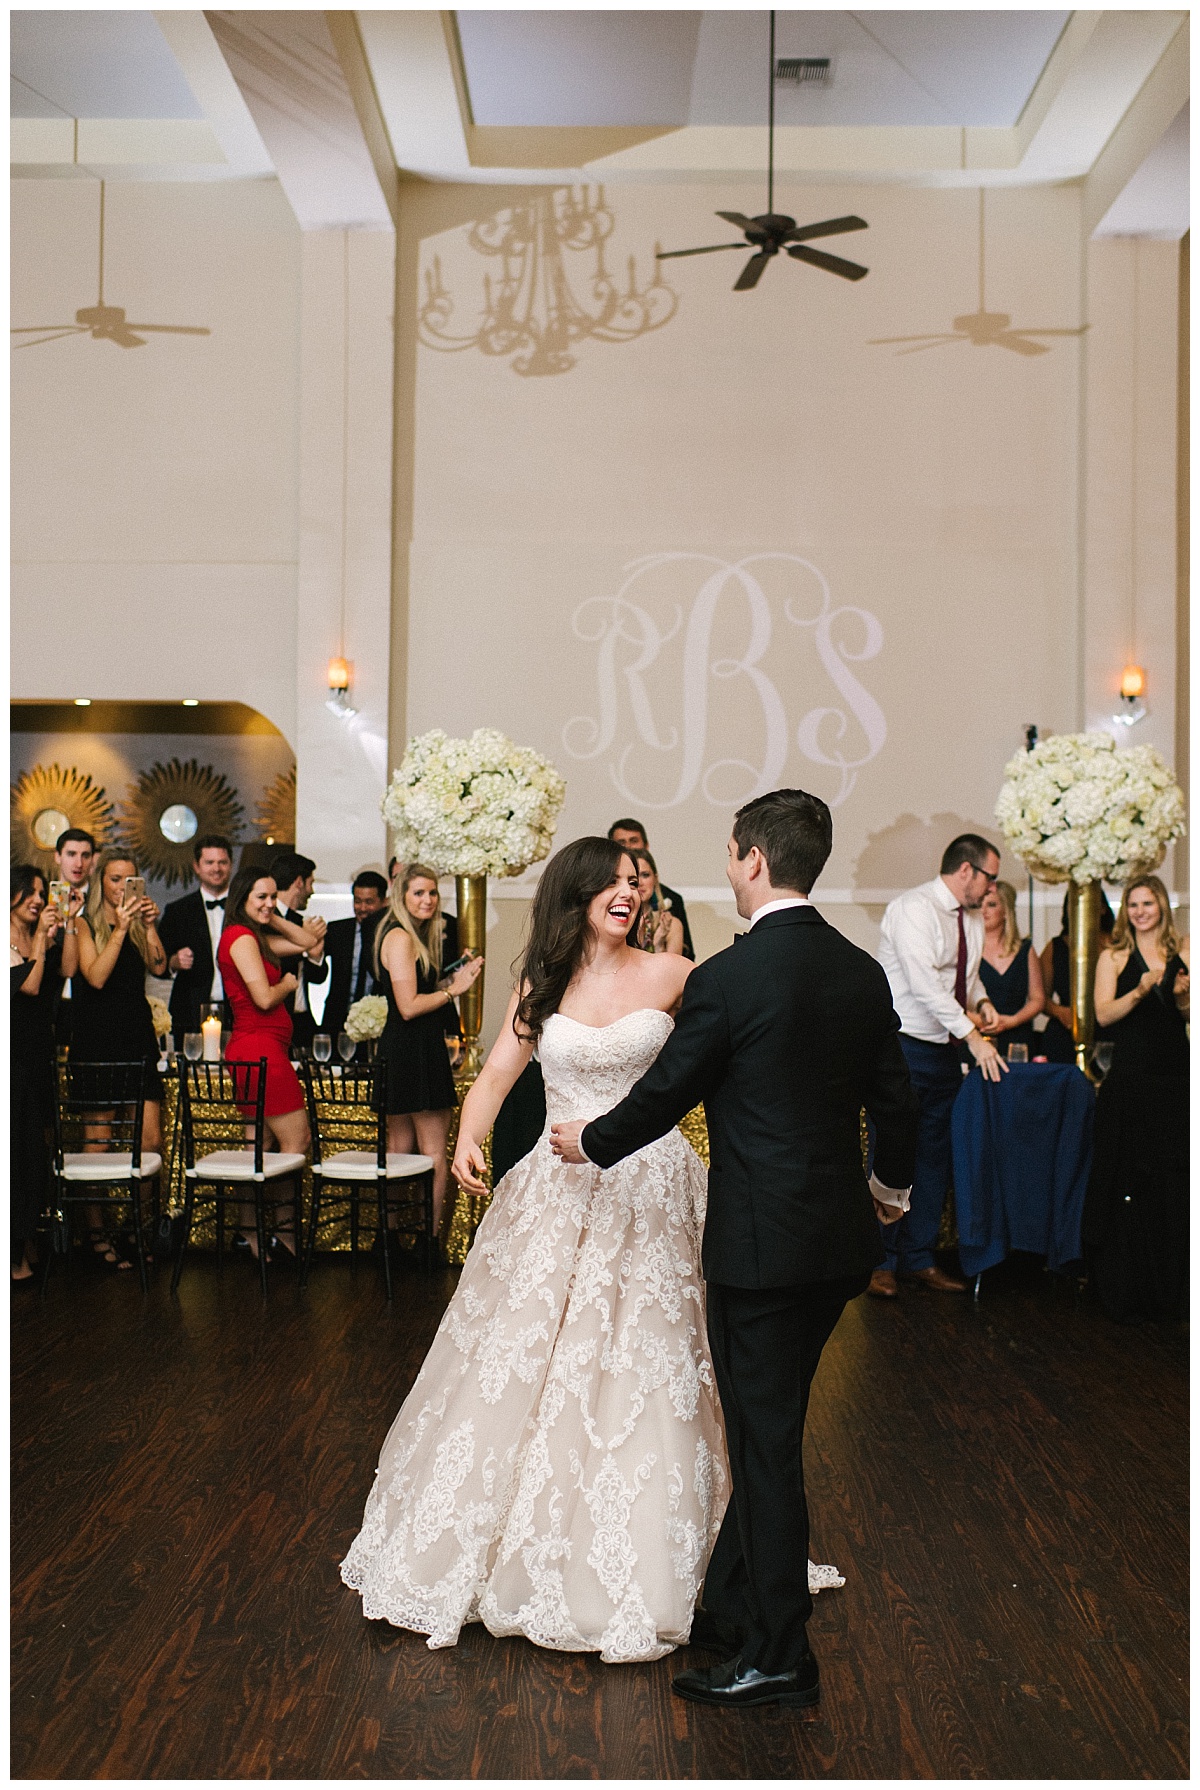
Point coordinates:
pixel 930 946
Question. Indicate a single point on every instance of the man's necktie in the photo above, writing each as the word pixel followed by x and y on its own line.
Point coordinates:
pixel 960 969
pixel 219 902
pixel 360 983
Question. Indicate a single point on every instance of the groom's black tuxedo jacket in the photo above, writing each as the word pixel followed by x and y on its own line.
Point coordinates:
pixel 784 1037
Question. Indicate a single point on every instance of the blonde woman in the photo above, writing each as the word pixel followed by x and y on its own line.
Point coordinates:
pixel 1136 1216
pixel 1009 971
pixel 110 1015
pixel 408 966
pixel 658 929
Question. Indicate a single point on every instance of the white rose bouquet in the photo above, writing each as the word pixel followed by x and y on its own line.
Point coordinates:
pixel 477 807
pixel 160 1016
pixel 367 1018
pixel 1078 810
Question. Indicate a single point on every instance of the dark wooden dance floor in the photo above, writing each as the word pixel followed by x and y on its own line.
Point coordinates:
pixel 1003 1485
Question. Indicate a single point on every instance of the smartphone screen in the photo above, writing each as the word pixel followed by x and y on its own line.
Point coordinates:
pixel 135 888
pixel 60 898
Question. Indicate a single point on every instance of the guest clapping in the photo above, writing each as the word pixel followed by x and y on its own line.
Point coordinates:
pixel 110 1021
pixel 1009 971
pixel 257 988
pixel 656 928
pixel 408 959
pixel 1136 1215
pixel 34 957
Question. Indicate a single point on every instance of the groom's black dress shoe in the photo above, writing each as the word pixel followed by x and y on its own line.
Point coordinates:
pixel 708 1631
pixel 734 1686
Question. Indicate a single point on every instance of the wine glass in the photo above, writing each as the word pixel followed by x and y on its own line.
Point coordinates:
pixel 193 1044
pixel 322 1047
pixel 1102 1056
pixel 346 1047
pixel 1018 1053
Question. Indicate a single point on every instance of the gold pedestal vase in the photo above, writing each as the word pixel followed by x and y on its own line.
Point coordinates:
pixel 1084 909
pixel 472 936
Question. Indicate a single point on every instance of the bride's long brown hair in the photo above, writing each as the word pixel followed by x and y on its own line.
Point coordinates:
pixel 558 927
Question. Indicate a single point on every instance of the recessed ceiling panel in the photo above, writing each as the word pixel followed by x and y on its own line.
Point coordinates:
pixel 95 65
pixel 579 68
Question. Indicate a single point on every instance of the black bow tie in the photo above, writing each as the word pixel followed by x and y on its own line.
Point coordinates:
pixel 219 902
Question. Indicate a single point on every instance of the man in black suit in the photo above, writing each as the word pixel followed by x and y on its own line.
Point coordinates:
pixel 191 929
pixel 632 835
pixel 350 948
pixel 294 877
pixel 785 1038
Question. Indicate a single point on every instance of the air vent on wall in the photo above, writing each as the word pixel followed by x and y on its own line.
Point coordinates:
pixel 803 71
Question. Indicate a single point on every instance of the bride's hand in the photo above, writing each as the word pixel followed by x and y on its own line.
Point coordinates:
pixel 468 1167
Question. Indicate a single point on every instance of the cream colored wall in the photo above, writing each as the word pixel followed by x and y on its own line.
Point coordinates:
pixel 154 498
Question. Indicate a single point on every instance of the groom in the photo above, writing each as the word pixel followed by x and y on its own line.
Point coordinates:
pixel 784 1038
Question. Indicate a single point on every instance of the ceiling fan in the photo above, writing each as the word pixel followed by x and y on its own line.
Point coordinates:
pixel 104 323
pixel 771 232
pixel 981 328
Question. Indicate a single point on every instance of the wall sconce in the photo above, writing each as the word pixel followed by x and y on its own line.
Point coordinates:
pixel 1133 688
pixel 339 684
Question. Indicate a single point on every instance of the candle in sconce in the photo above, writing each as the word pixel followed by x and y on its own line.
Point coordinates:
pixel 211 1029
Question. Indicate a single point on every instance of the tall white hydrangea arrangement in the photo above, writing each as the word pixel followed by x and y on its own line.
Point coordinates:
pixel 1077 809
pixel 477 807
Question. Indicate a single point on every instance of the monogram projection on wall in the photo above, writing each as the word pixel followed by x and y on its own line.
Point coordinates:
pixel 694 651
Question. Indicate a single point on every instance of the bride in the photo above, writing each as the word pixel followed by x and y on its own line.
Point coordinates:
pixel 558 1470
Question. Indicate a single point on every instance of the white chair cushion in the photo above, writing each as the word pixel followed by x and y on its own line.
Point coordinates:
pixel 238 1165
pixel 359 1165
pixel 84 1165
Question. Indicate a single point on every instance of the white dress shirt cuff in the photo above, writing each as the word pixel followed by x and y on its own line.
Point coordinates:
pixel 890 1196
pixel 582 1151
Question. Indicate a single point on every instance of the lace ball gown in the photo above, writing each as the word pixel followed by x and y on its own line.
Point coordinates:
pixel 558 1470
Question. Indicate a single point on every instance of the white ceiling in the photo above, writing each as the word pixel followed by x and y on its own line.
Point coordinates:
pixel 1157 201
pixel 710 68
pixel 94 65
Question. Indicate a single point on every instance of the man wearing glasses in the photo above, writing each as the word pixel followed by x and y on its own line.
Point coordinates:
pixel 930 946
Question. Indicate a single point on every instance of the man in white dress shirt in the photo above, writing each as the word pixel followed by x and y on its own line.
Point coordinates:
pixel 930 946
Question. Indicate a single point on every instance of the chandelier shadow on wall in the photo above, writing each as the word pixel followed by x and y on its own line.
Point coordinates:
pixel 537 306
pixel 168 808
pixel 44 803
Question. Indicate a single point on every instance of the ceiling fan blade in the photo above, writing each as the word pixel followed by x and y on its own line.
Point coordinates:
pixel 736 217
pixel 945 335
pixel 752 273
pixel 36 329
pixel 674 254
pixel 831 227
pixel 1055 332
pixel 937 342
pixel 848 270
pixel 71 329
pixel 1019 344
pixel 122 338
pixel 172 329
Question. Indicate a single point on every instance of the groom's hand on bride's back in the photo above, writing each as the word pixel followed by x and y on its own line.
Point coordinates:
pixel 564 1141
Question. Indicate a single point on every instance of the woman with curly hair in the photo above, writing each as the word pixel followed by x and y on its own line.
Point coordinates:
pixel 1135 1224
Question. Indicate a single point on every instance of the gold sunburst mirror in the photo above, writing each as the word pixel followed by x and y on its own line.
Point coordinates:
pixel 170 806
pixel 45 802
pixel 276 817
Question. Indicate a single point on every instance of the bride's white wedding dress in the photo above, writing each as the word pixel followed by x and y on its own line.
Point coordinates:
pixel 558 1469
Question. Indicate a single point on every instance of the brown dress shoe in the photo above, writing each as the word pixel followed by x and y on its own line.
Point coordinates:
pixel 937 1281
pixel 883 1284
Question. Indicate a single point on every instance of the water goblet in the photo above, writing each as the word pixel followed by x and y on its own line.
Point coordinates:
pixel 1018 1053
pixel 193 1044
pixel 346 1047
pixel 322 1047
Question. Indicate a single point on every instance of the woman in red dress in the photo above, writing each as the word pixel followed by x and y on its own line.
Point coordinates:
pixel 253 941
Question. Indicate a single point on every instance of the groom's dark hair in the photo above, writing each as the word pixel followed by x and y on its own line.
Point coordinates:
pixel 794 833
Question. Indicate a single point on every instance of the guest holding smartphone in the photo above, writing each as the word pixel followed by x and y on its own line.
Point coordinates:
pixel 110 1023
pixel 657 928
pixel 409 943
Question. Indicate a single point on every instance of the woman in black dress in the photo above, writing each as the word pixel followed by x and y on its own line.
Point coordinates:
pixel 408 967
pixel 35 958
pixel 1057 1042
pixel 1135 1220
pixel 1010 972
pixel 110 1017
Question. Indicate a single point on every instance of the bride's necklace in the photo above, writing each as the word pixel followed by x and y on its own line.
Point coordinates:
pixel 605 975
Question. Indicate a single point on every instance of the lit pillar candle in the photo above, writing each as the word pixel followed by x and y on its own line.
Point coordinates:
pixel 211 1028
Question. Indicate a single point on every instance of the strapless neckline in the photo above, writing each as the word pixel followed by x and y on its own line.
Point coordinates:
pixel 612 1022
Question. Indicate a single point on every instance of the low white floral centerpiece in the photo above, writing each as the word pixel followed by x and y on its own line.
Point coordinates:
pixel 477 807
pixel 1077 809
pixel 367 1018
